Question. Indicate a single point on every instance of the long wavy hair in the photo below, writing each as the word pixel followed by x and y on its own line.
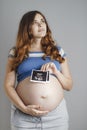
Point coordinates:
pixel 24 40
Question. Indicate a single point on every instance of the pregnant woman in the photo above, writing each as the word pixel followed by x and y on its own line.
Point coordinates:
pixel 37 105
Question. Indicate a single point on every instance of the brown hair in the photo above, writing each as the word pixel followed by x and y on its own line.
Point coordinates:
pixel 24 40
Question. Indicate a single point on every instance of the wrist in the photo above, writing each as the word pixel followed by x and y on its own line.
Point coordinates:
pixel 23 108
pixel 56 73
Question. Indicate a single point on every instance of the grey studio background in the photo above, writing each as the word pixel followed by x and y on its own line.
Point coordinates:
pixel 68 22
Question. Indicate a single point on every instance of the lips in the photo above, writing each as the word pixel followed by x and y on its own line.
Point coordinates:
pixel 40 30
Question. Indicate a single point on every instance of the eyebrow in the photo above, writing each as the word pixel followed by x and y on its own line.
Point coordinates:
pixel 40 19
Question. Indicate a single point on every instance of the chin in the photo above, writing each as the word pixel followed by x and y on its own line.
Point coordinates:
pixel 41 36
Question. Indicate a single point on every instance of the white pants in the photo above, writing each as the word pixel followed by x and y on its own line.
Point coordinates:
pixel 54 120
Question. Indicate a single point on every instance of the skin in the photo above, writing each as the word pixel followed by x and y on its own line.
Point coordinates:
pixel 38 27
pixel 64 77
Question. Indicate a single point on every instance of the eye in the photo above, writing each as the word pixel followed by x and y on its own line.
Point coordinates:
pixel 42 20
pixel 35 22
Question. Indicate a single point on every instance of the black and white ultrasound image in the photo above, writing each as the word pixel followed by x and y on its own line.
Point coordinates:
pixel 40 76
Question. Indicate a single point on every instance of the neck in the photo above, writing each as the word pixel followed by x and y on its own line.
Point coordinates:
pixel 36 44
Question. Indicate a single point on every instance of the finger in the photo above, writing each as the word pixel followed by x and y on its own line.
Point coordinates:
pixel 34 106
pixel 36 112
pixel 43 112
pixel 43 67
pixel 47 66
pixel 39 111
pixel 51 64
pixel 39 114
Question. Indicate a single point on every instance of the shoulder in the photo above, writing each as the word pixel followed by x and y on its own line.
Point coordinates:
pixel 12 52
pixel 10 60
pixel 61 51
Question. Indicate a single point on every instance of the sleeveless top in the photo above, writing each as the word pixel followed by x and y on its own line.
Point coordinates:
pixel 34 61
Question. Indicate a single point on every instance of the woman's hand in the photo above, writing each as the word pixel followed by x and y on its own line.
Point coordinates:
pixel 64 77
pixel 34 110
pixel 51 67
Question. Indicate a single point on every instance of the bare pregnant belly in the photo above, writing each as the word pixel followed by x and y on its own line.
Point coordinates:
pixel 47 95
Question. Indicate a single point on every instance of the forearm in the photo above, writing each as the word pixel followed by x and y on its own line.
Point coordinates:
pixel 15 99
pixel 66 82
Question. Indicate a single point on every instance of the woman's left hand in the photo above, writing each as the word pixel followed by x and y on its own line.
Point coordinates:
pixel 51 67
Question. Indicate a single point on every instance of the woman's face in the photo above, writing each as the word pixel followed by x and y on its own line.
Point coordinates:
pixel 38 28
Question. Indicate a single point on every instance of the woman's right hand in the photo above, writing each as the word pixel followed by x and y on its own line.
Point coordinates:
pixel 34 110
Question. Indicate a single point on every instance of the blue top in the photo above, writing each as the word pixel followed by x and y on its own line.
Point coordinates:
pixel 35 61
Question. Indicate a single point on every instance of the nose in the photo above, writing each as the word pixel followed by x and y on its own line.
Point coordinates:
pixel 40 24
